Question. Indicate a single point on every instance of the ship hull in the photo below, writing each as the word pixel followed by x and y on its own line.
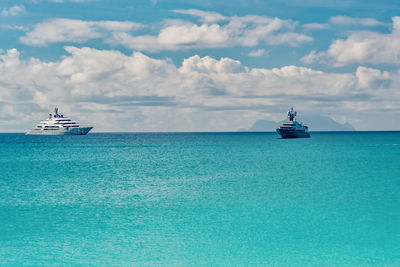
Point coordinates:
pixel 72 131
pixel 292 133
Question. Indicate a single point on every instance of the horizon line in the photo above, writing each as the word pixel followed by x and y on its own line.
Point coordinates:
pixel 152 132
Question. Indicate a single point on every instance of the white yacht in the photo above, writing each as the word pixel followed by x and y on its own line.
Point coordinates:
pixel 292 128
pixel 57 124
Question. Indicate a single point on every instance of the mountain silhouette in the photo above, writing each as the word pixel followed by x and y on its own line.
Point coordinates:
pixel 314 123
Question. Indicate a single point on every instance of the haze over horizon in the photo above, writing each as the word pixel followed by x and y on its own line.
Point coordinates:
pixel 127 66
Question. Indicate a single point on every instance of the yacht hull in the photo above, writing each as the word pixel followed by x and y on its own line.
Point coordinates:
pixel 285 133
pixel 71 131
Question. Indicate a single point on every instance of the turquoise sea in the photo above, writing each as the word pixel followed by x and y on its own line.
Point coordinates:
pixel 200 199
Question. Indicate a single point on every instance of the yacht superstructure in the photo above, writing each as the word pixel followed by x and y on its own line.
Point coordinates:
pixel 293 128
pixel 57 124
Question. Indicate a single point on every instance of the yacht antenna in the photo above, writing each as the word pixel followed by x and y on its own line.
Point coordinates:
pixel 291 114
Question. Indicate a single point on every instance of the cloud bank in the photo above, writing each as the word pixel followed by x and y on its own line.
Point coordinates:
pixel 214 31
pixel 107 87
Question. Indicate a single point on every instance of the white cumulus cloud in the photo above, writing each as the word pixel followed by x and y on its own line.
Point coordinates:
pixel 12 11
pixel 344 20
pixel 362 47
pixel 205 16
pixel 258 53
pixel 70 30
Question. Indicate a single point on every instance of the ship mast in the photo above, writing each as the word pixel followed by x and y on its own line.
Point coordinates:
pixel 292 114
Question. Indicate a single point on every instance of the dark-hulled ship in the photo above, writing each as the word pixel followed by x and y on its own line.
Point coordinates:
pixel 293 128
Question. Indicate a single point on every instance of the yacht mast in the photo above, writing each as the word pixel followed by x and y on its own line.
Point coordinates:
pixel 292 115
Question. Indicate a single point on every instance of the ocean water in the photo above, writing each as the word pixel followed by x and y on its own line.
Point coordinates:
pixel 200 199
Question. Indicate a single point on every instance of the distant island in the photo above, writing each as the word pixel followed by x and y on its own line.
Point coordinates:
pixel 315 123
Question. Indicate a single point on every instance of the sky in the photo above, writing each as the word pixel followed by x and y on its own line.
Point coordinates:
pixel 161 65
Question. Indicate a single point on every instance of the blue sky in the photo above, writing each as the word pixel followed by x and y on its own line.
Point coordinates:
pixel 198 65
